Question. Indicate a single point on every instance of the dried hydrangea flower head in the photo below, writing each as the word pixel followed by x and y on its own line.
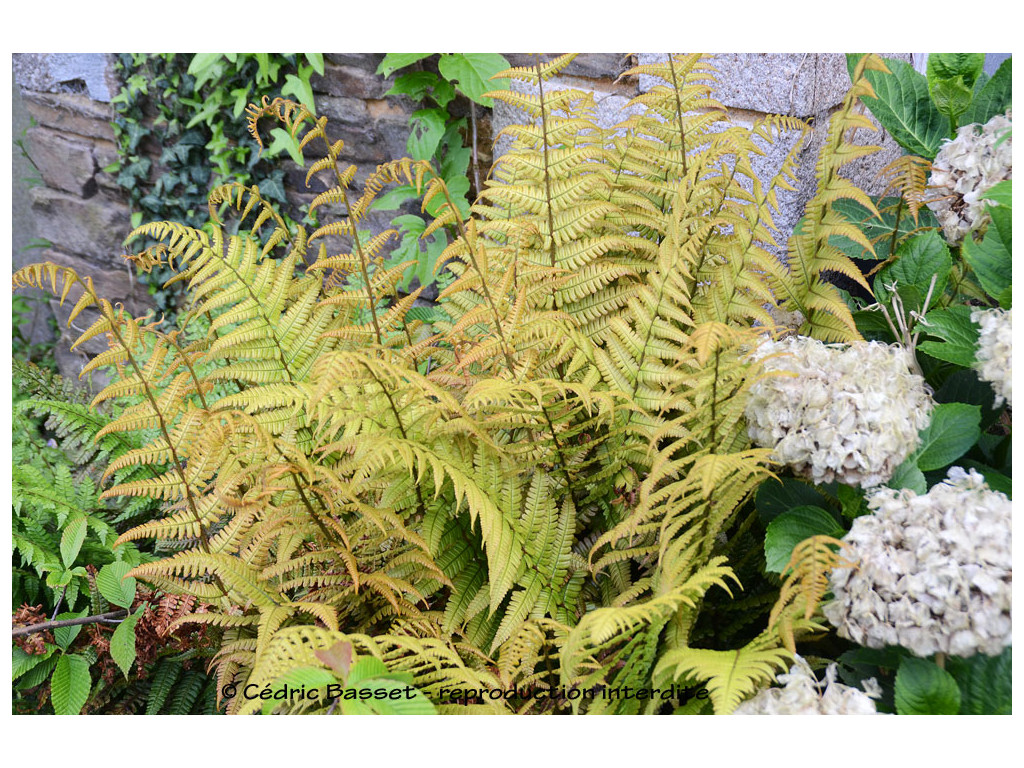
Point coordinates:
pixel 804 695
pixel 994 351
pixel 832 412
pixel 931 573
pixel 964 170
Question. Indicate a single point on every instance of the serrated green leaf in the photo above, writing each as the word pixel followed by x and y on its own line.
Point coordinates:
pixel 951 66
pixel 311 678
pixel 908 475
pixel 72 538
pixel 994 98
pixel 953 429
pixel 1000 209
pixel 65 636
pixel 472 72
pixel 918 260
pixel 386 697
pixel 958 334
pixel 986 683
pixel 115 588
pixel 775 496
pixel 992 263
pixel 922 688
pixel 22 663
pixel 790 528
pixel 122 642
pixel 879 229
pixel 70 684
pixel 952 98
pixel 904 107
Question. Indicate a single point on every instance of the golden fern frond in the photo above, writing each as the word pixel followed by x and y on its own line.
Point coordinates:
pixel 907 176
pixel 806 583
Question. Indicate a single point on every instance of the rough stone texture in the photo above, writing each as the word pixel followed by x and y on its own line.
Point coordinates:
pixel 70 113
pixel 93 228
pixel 89 73
pixel 64 163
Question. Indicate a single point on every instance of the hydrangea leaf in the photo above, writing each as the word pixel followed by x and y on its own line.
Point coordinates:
pixel 919 259
pixel 954 428
pixel 792 527
pixel 922 688
pixel 994 98
pixel 958 334
pixel 904 108
pixel 775 496
pixel 992 264
pixel 986 683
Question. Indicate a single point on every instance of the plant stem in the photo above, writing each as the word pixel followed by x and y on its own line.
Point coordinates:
pixel 43 626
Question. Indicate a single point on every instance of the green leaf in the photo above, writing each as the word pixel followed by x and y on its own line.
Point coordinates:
pixel 317 62
pixel 950 66
pixel 908 475
pixel 395 61
pixel 427 128
pixel 1000 208
pixel 904 107
pixel 366 668
pixel 992 264
pixel 879 229
pixel 986 683
pixel 918 260
pixel 414 85
pixel 922 688
pixel 70 684
pixel 958 334
pixel 472 72
pixel 954 428
pixel 994 98
pixel 393 199
pixel 72 537
pixel 22 662
pixel 122 642
pixel 389 697
pixel 301 89
pixel 775 496
pixel 283 140
pixel 115 588
pixel 790 528
pixel 65 636
pixel 952 98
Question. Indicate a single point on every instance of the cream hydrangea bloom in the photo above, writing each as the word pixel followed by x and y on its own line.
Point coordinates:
pixel 804 695
pixel 994 351
pixel 931 573
pixel 964 170
pixel 831 412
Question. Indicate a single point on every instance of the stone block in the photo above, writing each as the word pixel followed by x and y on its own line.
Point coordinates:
pixel 89 73
pixel 94 228
pixel 70 113
pixel 64 163
pixel 367 61
pixel 353 82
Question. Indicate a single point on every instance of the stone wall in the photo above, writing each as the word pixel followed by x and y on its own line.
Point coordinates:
pixel 83 214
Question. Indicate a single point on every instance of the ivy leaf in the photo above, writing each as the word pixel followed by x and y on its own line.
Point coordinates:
pixel 283 140
pixel 414 85
pixel 922 688
pixel 918 260
pixel 954 428
pixel 958 333
pixel 72 538
pixel 473 72
pixel 904 107
pixel 316 60
pixel 70 684
pixel 115 588
pixel 790 528
pixel 301 89
pixel 395 61
pixel 995 96
pixel 122 642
